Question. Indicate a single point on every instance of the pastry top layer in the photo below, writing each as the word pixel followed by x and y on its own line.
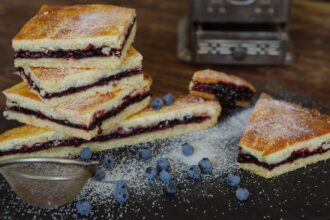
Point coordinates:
pixel 75 27
pixel 27 135
pixel 25 131
pixel 278 126
pixel 212 76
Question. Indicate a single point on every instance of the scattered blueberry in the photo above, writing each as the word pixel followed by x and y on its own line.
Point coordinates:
pixel 83 207
pixel 157 103
pixel 194 172
pixel 121 185
pixel 163 164
pixel 108 162
pixel 121 196
pixel 86 153
pixel 242 194
pixel 165 176
pixel 99 175
pixel 205 165
pixel 187 149
pixel 145 154
pixel 170 190
pixel 150 173
pixel 233 179
pixel 168 99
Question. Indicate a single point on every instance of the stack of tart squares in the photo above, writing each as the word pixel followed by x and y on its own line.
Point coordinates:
pixel 83 85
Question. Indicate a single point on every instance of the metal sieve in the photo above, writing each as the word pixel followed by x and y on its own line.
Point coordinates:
pixel 47 182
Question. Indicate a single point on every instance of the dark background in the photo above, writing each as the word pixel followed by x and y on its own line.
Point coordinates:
pixel 306 81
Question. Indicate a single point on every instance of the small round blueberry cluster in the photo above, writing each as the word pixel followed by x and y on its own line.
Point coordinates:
pixel 157 103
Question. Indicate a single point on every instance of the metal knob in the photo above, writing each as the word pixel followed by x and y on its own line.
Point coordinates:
pixel 241 2
pixel 239 53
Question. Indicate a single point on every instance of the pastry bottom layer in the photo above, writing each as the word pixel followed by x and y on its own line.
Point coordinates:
pixel 286 167
pixel 229 95
pixel 302 153
pixel 72 147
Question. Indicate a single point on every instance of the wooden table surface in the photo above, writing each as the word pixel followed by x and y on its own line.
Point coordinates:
pixel 156 40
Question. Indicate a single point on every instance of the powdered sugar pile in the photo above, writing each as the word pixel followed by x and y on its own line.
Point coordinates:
pixel 215 143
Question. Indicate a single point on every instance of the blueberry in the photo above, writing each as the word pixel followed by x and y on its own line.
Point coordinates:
pixel 83 207
pixel 163 164
pixel 145 154
pixel 120 185
pixel 194 172
pixel 187 149
pixel 233 179
pixel 205 165
pixel 168 99
pixel 150 173
pixel 165 176
pixel 242 194
pixel 86 153
pixel 108 162
pixel 157 103
pixel 170 190
pixel 99 175
pixel 121 196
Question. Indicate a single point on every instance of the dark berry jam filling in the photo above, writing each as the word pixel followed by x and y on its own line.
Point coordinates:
pixel 72 90
pixel 127 101
pixel 90 51
pixel 226 93
pixel 303 153
pixel 160 126
pixel 76 142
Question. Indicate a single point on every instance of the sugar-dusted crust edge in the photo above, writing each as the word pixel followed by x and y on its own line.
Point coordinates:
pixel 285 168
pixel 22 40
pixel 121 142
pixel 252 144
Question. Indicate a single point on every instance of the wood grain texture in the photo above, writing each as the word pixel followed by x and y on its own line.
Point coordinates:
pixel 156 40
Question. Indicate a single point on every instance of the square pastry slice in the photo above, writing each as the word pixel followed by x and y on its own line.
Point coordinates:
pixel 56 85
pixel 84 36
pixel 229 90
pixel 281 137
pixel 186 115
pixel 83 118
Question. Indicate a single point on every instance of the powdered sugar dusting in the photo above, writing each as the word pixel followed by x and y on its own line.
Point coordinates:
pixel 208 198
pixel 276 124
pixel 219 144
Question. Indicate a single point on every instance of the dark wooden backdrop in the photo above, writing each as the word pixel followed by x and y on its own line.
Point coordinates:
pixel 156 40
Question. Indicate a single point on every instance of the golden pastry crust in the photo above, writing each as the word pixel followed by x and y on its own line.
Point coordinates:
pixel 25 131
pixel 277 125
pixel 100 25
pixel 212 76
